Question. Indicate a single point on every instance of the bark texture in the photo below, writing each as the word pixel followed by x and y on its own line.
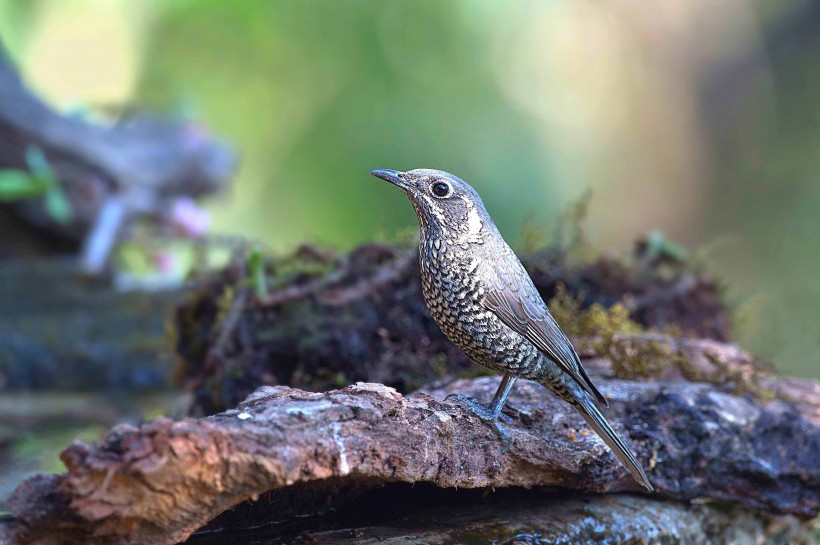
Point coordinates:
pixel 159 482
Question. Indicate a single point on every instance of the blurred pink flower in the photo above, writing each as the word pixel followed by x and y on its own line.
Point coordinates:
pixel 164 261
pixel 188 219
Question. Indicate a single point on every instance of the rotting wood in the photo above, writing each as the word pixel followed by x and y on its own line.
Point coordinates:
pixel 159 482
pixel 330 321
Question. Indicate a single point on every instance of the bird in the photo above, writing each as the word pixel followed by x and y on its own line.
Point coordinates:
pixel 485 302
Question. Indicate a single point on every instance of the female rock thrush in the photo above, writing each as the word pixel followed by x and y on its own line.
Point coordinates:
pixel 485 302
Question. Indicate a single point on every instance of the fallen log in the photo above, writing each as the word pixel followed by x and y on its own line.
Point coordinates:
pixel 665 358
pixel 159 482
pixel 331 320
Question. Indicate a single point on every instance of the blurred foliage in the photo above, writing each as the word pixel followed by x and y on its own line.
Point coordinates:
pixel 256 268
pixel 37 182
pixel 698 119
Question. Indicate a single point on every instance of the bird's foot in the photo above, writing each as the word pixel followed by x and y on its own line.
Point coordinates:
pixel 485 413
pixel 479 409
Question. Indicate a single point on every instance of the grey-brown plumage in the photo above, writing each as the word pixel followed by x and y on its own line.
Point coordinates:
pixel 485 302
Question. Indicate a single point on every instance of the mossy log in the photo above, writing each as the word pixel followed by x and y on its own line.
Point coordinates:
pixel 330 320
pixel 731 449
pixel 284 454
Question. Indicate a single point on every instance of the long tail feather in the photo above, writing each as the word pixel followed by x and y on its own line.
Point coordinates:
pixel 595 419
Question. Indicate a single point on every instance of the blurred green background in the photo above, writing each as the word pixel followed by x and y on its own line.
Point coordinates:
pixel 698 118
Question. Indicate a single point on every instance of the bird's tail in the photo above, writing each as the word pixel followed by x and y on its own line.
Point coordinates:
pixel 595 419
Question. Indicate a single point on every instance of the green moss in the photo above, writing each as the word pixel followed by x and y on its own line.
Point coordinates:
pixel 42 450
pixel 604 326
pixel 299 265
pixel 644 359
pixel 258 274
pixel 611 334
pixel 596 321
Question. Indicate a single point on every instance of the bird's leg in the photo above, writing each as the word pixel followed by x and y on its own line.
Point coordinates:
pixel 491 413
pixel 501 395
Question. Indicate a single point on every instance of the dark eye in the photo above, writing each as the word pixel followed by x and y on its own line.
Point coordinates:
pixel 440 189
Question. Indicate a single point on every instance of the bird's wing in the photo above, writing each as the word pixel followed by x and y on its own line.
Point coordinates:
pixel 520 307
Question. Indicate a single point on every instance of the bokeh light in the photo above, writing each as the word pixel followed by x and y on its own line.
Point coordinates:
pixel 698 118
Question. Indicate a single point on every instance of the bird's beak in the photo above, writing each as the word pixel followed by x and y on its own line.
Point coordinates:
pixel 392 176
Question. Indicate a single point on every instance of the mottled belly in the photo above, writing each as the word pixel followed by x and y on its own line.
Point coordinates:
pixel 454 300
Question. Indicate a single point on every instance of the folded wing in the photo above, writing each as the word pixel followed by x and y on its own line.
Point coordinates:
pixel 523 311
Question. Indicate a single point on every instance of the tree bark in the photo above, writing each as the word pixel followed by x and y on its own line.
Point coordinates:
pixel 159 482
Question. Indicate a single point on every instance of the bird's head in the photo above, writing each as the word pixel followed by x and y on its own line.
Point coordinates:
pixel 445 204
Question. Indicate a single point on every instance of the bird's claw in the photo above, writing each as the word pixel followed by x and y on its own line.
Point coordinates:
pixel 479 409
pixel 485 413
